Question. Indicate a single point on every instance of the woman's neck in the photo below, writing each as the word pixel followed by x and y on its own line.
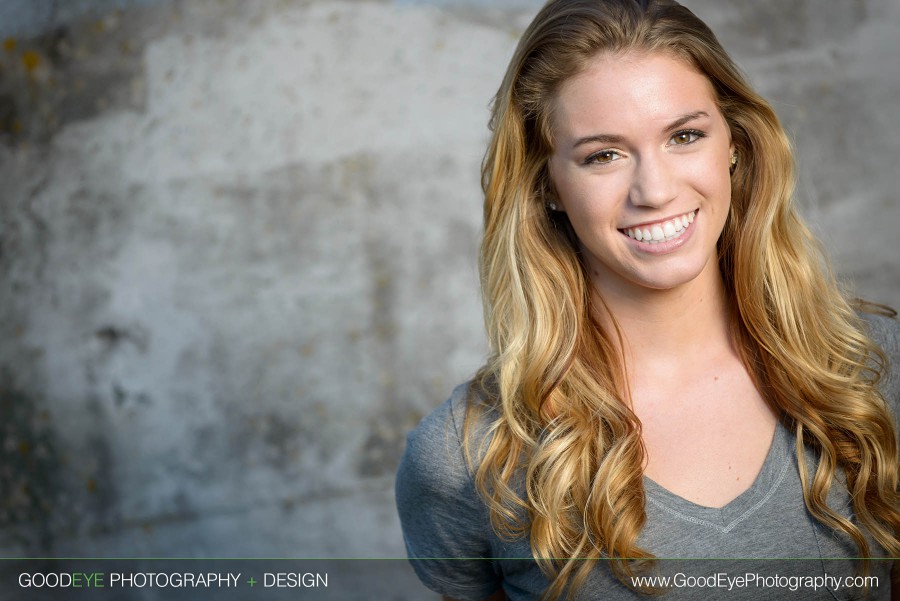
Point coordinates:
pixel 670 326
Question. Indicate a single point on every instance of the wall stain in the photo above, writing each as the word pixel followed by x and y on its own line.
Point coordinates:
pixel 273 439
pixel 29 473
pixel 73 72
pixel 9 115
pixel 114 337
pixel 100 510
pixel 121 396
pixel 31 60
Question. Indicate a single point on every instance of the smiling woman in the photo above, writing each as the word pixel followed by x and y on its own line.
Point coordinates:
pixel 674 185
pixel 675 374
pixel 660 167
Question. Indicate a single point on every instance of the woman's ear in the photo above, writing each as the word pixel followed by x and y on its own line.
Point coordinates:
pixel 553 205
pixel 551 198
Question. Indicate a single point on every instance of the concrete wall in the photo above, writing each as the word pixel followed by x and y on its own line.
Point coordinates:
pixel 237 251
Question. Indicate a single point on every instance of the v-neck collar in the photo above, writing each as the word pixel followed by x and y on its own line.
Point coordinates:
pixel 725 518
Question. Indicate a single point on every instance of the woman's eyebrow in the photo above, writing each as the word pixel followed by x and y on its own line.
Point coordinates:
pixel 685 119
pixel 604 138
pixel 615 139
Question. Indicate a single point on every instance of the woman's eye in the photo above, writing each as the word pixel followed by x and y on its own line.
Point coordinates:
pixel 603 157
pixel 686 137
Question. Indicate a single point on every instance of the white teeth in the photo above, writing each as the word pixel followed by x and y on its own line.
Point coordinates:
pixel 668 230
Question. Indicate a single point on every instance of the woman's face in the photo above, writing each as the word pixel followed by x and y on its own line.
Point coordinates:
pixel 641 165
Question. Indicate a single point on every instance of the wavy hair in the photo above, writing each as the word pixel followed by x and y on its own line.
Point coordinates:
pixel 563 459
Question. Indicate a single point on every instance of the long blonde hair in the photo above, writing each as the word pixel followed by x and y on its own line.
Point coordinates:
pixel 570 477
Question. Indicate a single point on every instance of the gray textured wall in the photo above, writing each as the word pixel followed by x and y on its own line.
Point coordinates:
pixel 237 250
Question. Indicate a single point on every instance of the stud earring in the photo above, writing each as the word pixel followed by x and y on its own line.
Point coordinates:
pixel 551 206
pixel 734 159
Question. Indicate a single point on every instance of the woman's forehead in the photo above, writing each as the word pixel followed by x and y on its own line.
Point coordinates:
pixel 628 90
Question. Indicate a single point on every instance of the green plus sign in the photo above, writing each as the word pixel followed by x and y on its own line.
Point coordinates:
pixel 252 581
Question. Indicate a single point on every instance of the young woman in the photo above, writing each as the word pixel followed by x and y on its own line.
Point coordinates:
pixel 675 373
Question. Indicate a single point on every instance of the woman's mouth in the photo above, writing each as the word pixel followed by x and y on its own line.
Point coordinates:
pixel 663 231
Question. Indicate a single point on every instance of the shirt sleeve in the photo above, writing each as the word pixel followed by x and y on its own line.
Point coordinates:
pixel 445 523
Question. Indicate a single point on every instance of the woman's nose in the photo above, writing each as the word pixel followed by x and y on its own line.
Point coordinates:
pixel 654 182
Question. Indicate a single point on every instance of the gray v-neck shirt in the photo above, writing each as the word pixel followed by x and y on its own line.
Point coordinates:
pixel 762 545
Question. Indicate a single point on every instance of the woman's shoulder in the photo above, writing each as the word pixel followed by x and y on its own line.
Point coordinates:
pixel 435 447
pixel 885 332
pixel 446 526
pixel 450 416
